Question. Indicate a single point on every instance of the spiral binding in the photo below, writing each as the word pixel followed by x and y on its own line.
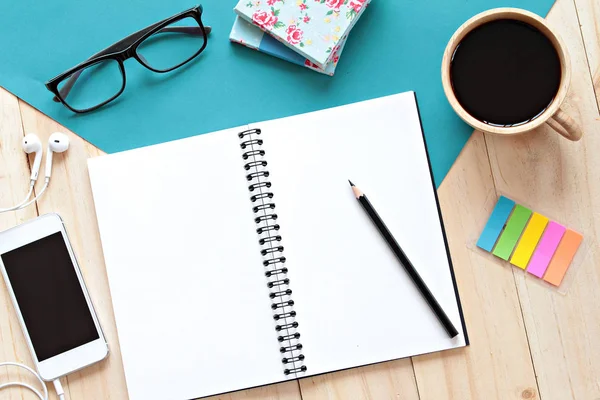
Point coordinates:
pixel 272 249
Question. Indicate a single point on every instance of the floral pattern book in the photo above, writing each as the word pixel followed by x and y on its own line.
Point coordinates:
pixel 252 37
pixel 312 28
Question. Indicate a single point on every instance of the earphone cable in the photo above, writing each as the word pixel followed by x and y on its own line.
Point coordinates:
pixel 57 143
pixel 21 204
pixel 42 396
pixel 37 196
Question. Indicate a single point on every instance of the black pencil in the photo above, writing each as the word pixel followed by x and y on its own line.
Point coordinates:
pixel 410 269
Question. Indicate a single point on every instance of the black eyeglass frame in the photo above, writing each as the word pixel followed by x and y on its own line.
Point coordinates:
pixel 125 49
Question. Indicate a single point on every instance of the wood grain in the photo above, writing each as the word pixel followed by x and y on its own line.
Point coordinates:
pixel 589 17
pixel 550 173
pixel 281 391
pixel 497 364
pixel 69 195
pixel 391 380
pixel 14 184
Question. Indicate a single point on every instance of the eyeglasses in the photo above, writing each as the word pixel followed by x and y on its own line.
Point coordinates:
pixel 161 47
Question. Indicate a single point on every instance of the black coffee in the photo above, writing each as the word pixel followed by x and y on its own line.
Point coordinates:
pixel 505 72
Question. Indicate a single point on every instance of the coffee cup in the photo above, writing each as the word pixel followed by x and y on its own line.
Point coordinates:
pixel 505 71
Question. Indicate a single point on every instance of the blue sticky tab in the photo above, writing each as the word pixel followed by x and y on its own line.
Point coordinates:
pixel 495 224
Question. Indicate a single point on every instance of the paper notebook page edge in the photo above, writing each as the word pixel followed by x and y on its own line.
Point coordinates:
pixel 303 157
pixel 425 148
pixel 137 177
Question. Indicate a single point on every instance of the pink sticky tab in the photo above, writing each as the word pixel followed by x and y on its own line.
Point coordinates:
pixel 545 249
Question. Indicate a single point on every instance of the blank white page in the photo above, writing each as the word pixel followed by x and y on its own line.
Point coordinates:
pixel 186 277
pixel 355 303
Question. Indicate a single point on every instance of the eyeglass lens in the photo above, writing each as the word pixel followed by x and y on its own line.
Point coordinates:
pixel 172 45
pixel 92 85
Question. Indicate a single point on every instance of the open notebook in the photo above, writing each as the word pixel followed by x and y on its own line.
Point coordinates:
pixel 241 258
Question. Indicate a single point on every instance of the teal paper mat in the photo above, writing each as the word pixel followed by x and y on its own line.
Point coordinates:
pixel 396 46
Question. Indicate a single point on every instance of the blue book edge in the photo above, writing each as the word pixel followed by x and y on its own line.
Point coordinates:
pixel 252 37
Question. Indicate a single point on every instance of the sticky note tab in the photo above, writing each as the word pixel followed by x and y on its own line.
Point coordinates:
pixel 494 226
pixel 563 257
pixel 512 232
pixel 545 250
pixel 528 242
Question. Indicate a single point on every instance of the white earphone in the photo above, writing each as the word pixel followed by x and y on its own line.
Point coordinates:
pixel 57 143
pixel 32 144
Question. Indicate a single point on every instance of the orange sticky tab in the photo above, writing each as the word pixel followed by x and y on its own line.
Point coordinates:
pixel 563 257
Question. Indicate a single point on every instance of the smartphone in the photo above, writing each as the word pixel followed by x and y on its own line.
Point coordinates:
pixel 50 298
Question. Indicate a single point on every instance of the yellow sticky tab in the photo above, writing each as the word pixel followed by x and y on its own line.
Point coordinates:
pixel 531 236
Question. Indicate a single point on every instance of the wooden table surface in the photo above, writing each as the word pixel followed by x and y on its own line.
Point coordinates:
pixel 527 342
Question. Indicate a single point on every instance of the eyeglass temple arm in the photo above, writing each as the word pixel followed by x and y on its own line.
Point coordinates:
pixel 125 43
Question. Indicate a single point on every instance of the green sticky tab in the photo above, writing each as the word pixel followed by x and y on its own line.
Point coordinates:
pixel 509 238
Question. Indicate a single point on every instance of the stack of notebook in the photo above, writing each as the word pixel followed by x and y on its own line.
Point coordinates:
pixel 311 33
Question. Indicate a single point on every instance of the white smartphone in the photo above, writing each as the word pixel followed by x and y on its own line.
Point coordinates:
pixel 52 303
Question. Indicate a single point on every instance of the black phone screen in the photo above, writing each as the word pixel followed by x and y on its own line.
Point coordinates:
pixel 50 297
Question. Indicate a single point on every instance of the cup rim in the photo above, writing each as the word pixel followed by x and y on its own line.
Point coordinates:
pixel 492 15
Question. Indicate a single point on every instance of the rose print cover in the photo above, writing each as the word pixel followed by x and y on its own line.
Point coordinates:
pixel 312 28
pixel 252 37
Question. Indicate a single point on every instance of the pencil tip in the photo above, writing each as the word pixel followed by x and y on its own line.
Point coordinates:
pixel 351 184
